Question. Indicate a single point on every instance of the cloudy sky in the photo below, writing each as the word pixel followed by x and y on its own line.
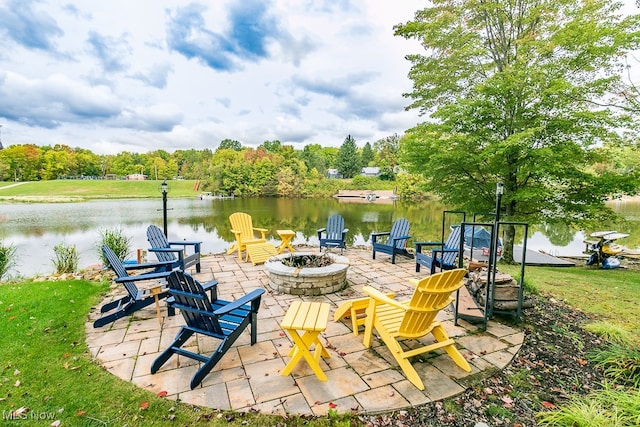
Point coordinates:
pixel 140 75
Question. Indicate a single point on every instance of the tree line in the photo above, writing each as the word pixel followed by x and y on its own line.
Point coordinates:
pixel 271 169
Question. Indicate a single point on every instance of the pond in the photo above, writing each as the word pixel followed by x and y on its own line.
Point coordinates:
pixel 35 228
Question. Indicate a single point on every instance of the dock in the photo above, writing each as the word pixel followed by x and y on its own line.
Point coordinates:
pixel 532 258
pixel 366 196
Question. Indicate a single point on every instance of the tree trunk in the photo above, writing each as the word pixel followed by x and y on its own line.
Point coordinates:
pixel 509 233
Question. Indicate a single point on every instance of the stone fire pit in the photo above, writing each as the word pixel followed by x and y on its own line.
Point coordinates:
pixel 307 281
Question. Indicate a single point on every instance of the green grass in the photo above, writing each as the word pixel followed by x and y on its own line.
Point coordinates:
pixel 609 295
pixel 611 407
pixel 45 366
pixel 98 189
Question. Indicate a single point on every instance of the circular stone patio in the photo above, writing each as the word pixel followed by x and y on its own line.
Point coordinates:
pixel 248 377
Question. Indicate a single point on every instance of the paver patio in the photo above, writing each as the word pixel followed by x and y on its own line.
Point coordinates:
pixel 248 377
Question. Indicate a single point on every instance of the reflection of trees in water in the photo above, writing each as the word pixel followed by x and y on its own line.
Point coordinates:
pixel 558 234
pixel 306 216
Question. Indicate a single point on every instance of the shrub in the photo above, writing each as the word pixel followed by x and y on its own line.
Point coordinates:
pixel 620 364
pixel 612 333
pixel 66 258
pixel 7 258
pixel 115 239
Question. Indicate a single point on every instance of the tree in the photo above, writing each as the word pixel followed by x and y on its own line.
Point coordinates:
pixel 386 151
pixel 313 158
pixel 229 143
pixel 367 155
pixel 520 92
pixel 348 161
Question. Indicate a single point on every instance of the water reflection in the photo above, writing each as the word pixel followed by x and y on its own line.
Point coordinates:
pixel 36 228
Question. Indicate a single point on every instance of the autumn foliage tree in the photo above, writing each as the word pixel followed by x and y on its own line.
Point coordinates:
pixel 521 91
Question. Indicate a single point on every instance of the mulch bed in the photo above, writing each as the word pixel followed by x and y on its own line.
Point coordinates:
pixel 550 366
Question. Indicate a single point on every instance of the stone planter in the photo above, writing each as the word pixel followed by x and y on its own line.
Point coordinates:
pixel 307 281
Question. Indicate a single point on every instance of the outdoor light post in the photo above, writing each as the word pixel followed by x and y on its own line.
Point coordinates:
pixel 493 255
pixel 499 193
pixel 164 187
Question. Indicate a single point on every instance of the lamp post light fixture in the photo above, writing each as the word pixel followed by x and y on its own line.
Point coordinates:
pixel 499 193
pixel 164 187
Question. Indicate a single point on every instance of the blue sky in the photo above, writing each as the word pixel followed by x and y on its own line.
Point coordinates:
pixel 141 75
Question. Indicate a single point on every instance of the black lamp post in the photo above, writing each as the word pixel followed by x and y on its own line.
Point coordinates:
pixel 499 193
pixel 164 187
pixel 493 255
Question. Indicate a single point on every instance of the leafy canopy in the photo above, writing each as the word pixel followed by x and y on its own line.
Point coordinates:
pixel 521 91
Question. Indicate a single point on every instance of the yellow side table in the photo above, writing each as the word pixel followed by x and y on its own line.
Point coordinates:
pixel 286 236
pixel 311 319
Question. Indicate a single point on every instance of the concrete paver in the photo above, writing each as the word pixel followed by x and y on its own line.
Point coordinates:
pixel 248 377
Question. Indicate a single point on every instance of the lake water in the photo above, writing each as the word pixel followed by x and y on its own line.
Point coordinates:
pixel 35 228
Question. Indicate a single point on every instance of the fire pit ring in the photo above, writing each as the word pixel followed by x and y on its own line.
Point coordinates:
pixel 307 281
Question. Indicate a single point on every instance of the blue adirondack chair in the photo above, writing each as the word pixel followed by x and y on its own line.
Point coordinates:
pixel 136 298
pixel 213 317
pixel 167 251
pixel 395 242
pixel 334 233
pixel 444 257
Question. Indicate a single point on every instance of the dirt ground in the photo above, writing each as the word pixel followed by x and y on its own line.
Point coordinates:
pixel 551 365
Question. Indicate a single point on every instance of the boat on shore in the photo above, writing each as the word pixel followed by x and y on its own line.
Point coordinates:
pixel 207 195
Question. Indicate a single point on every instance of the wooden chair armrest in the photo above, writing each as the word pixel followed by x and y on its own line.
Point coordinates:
pixel 379 297
pixel 262 230
pixel 374 236
pixel 149 276
pixel 250 297
pixel 186 243
pixel 320 230
pixel 147 265
pixel 381 233
pixel 176 250
pixel 419 245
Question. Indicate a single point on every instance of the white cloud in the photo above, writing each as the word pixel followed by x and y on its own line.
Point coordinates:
pixel 138 76
pixel 165 74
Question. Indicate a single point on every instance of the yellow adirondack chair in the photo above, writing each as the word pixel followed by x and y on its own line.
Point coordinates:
pixel 243 229
pixel 412 319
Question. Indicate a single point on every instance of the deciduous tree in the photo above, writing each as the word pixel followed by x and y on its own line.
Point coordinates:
pixel 521 91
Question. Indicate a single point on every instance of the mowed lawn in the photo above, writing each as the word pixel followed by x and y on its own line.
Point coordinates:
pixel 96 189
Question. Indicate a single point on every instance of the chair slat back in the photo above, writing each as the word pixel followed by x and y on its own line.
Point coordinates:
pixel 117 266
pixel 157 239
pixel 432 294
pixel 399 228
pixel 335 225
pixel 193 302
pixel 242 222
pixel 453 242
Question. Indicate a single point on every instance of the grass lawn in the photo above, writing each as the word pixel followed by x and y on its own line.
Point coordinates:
pixel 94 189
pixel 610 295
